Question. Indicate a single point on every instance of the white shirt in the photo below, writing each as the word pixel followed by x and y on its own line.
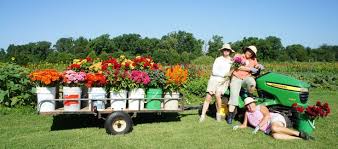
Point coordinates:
pixel 221 67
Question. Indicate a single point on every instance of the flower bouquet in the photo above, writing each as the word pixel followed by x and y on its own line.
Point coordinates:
pixel 140 79
pixel 309 114
pixel 237 61
pixel 45 78
pixel 176 76
pixel 72 78
pixel 95 80
pixel 144 63
pixel 81 64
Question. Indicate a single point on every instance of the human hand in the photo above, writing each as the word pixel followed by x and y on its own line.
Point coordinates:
pixel 235 127
pixel 256 130
pixel 253 70
pixel 260 66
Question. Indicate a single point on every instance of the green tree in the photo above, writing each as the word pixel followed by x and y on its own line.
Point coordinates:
pixel 2 55
pixel 214 44
pixel 101 43
pixel 182 41
pixel 81 47
pixel 297 52
pixel 65 45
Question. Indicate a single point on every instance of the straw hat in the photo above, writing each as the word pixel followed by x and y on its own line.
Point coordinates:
pixel 226 46
pixel 249 100
pixel 253 49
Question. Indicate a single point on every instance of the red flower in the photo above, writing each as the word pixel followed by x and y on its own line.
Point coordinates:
pixel 318 103
pixel 88 59
pixel 294 105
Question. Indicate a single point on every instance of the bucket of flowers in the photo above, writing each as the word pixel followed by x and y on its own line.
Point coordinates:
pixel 139 81
pixel 155 89
pixel 96 83
pixel 308 115
pixel 176 77
pixel 72 82
pixel 118 81
pixel 45 81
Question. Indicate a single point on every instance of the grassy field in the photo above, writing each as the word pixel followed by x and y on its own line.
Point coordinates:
pixel 22 128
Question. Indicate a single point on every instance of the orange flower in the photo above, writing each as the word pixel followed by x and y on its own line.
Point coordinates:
pixel 176 76
pixel 46 77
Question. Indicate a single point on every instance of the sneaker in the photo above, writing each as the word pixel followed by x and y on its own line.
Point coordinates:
pixel 230 117
pixel 202 118
pixel 218 117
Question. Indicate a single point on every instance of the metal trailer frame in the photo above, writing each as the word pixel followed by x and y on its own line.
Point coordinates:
pixel 116 121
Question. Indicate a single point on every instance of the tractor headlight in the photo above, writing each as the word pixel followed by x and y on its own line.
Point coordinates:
pixel 304 90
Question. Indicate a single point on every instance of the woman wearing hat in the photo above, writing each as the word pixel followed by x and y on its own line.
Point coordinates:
pixel 219 81
pixel 242 77
pixel 259 117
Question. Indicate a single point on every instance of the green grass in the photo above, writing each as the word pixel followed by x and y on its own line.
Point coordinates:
pixel 22 128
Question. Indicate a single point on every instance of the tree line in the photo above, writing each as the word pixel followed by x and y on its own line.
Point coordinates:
pixel 175 47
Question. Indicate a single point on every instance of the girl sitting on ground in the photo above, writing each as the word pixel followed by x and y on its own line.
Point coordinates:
pixel 273 124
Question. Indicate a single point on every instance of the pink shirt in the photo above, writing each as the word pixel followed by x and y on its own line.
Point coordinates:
pixel 254 118
pixel 248 63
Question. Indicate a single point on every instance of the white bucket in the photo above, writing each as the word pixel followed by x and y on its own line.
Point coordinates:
pixel 134 104
pixel 118 101
pixel 44 94
pixel 72 93
pixel 97 93
pixel 171 104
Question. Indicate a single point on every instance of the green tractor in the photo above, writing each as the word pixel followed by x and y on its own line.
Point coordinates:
pixel 276 91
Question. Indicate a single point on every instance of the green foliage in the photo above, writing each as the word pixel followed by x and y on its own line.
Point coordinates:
pixel 101 43
pixel 157 79
pixel 15 87
pixel 214 45
pixel 60 57
pixel 197 86
pixel 203 60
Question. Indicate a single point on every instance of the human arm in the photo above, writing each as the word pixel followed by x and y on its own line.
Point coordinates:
pixel 244 124
pixel 266 116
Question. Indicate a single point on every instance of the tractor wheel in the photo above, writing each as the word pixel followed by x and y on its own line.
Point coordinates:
pixel 118 123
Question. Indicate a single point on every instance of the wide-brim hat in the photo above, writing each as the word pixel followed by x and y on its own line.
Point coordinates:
pixel 252 48
pixel 248 100
pixel 226 46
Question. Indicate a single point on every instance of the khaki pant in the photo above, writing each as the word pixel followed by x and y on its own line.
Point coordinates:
pixel 235 88
pixel 217 85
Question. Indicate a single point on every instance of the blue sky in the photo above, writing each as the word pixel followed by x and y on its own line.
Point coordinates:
pixel 307 22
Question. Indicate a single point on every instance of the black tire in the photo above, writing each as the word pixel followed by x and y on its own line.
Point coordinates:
pixel 118 123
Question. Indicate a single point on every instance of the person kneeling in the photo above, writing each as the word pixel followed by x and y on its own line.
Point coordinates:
pixel 270 123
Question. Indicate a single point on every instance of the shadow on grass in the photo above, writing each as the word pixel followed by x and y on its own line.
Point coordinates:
pixel 144 118
pixel 64 122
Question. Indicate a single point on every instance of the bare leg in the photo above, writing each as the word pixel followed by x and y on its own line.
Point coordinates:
pixel 218 102
pixel 283 136
pixel 277 127
pixel 205 106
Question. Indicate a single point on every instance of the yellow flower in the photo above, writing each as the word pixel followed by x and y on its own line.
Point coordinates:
pixel 76 61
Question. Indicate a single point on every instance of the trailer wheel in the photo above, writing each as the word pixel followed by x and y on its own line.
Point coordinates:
pixel 118 123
